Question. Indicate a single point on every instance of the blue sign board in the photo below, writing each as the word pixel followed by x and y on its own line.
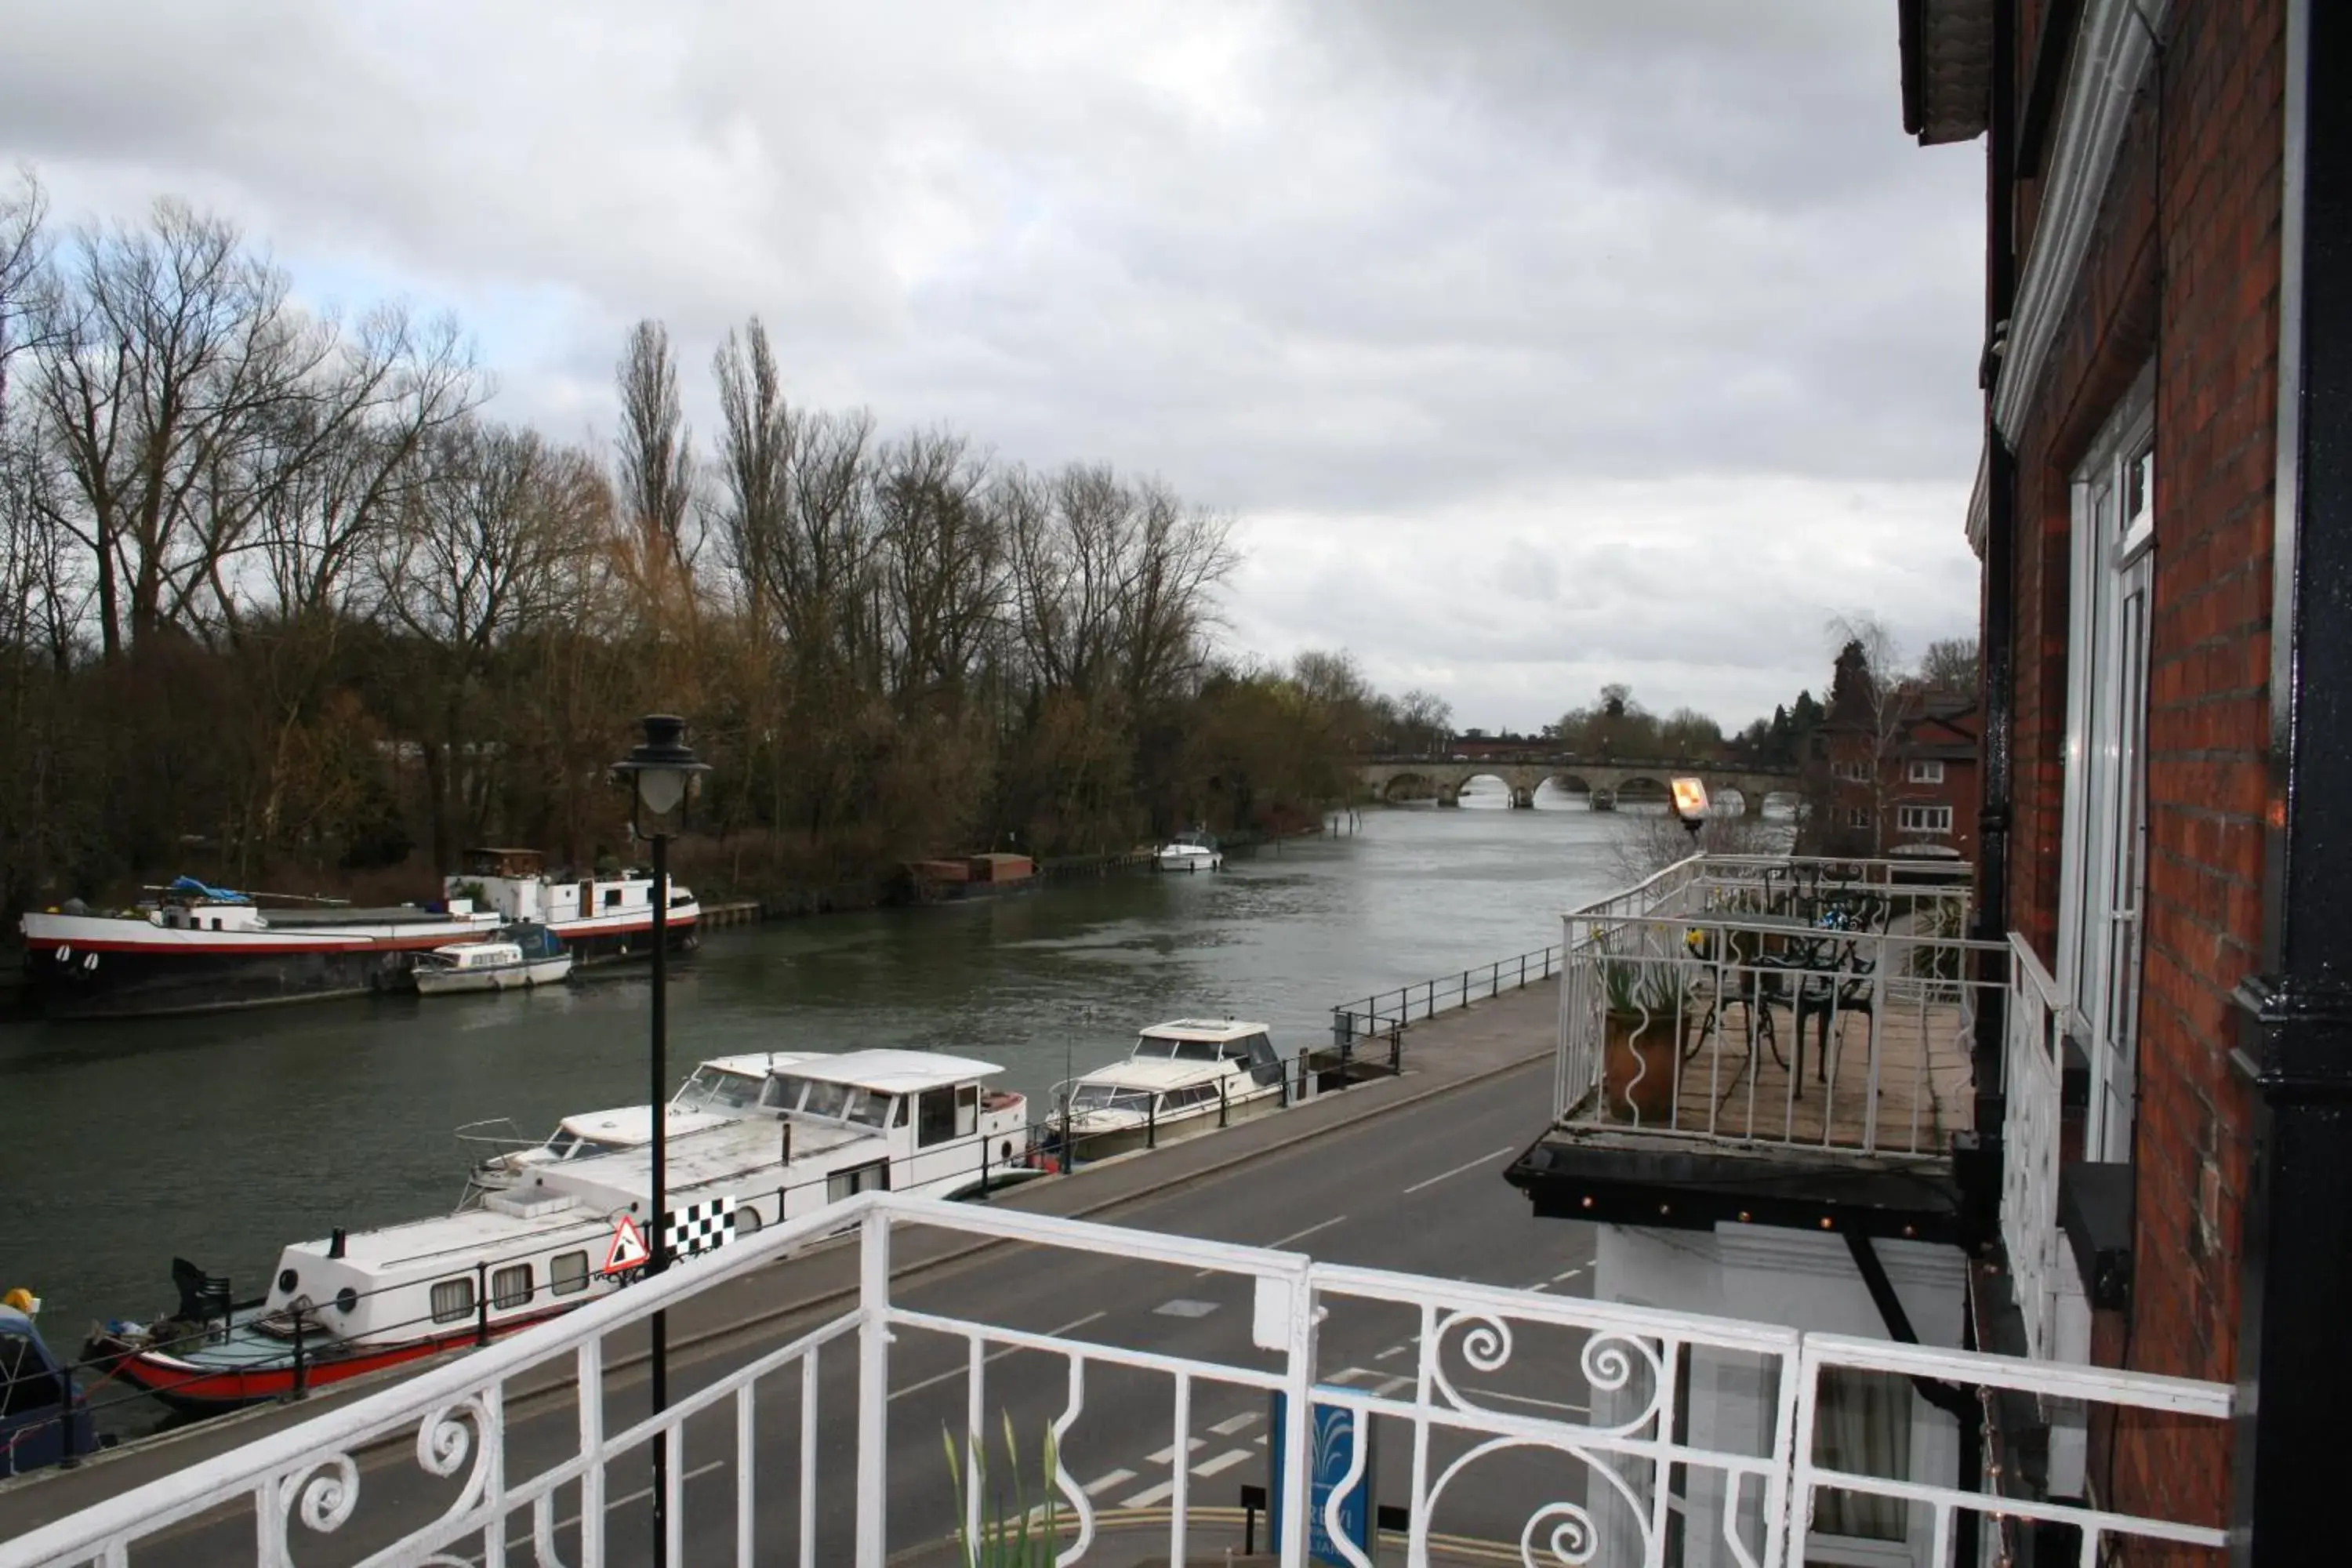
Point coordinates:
pixel 1331 1444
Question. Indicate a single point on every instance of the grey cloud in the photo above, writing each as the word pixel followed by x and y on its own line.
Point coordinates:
pixel 1348 269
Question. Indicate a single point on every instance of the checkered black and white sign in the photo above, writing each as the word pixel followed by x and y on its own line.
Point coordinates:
pixel 700 1228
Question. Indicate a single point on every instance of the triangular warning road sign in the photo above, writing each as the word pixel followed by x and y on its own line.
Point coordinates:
pixel 628 1249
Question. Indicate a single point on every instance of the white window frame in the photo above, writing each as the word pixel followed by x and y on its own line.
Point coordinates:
pixel 1923 819
pixel 1857 816
pixel 2103 847
pixel 1926 770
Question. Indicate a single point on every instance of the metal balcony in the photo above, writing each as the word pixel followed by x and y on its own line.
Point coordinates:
pixel 1793 1031
pixel 1513 1424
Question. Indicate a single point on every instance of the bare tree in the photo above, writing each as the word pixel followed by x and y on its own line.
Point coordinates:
pixel 1867 698
pixel 943 563
pixel 756 432
pixel 23 264
pixel 656 474
pixel 1950 665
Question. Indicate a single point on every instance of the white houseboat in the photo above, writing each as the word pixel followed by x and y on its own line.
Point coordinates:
pixel 597 918
pixel 574 1230
pixel 1187 1076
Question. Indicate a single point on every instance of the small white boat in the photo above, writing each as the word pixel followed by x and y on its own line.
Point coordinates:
pixel 529 955
pixel 1194 851
pixel 722 1090
pixel 1184 1076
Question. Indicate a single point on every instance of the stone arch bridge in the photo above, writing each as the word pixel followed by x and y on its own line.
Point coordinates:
pixel 1606 780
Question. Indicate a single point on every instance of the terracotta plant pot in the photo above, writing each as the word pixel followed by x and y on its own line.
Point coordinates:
pixel 1639 1055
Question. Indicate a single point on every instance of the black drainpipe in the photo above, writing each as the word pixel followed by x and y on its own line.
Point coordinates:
pixel 1960 1403
pixel 2287 1471
pixel 1995 652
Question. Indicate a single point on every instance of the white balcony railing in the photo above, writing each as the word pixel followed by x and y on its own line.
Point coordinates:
pixel 1777 1001
pixel 1529 1425
pixel 2048 1288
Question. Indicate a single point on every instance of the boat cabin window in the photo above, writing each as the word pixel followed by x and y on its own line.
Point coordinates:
pixel 715 1089
pixel 967 1109
pixel 871 1178
pixel 935 1116
pixel 567 1274
pixel 1187 1098
pixel 511 1287
pixel 562 1146
pixel 834 1101
pixel 612 898
pixel 27 1382
pixel 1090 1097
pixel 453 1300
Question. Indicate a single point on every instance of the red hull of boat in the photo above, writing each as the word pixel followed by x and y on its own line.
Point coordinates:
pixel 186 1385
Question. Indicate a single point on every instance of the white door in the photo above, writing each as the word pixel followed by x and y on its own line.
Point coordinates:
pixel 2107 726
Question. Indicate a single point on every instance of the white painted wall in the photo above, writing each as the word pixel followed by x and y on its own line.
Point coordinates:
pixel 1804 1281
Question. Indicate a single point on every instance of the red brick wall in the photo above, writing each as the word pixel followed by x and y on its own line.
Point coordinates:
pixel 2185 266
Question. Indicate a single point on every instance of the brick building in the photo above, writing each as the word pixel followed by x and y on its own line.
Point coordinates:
pixel 1899 777
pixel 2163 508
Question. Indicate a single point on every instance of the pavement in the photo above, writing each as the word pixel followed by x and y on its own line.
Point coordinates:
pixel 1403 1174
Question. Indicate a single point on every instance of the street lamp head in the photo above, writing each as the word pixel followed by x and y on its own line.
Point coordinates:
pixel 659 773
pixel 1690 803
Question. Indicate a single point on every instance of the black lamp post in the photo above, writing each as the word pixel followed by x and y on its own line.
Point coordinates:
pixel 1690 806
pixel 659 774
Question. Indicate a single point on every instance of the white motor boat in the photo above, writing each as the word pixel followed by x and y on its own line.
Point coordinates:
pixel 1184 1076
pixel 524 956
pixel 1193 851
pixel 573 1231
pixel 722 1090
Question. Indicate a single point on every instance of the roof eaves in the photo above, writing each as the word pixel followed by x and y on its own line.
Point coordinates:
pixel 1947 68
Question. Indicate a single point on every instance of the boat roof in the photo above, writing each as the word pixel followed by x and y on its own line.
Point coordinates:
pixel 757 1064
pixel 1203 1029
pixel 630 1125
pixel 1156 1074
pixel 889 1071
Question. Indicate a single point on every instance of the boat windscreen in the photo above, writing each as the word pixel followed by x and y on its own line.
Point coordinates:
pixel 561 1145
pixel 716 1088
pixel 1158 1047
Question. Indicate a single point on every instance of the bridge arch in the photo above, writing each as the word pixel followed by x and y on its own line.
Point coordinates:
pixel 1570 788
pixel 1641 789
pixel 1401 787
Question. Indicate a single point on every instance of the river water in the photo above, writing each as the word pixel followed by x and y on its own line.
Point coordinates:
pixel 219 1139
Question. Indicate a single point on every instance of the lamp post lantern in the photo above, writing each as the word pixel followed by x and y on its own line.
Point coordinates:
pixel 1690 806
pixel 660 773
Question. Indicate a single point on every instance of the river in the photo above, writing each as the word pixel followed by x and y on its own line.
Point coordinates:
pixel 221 1138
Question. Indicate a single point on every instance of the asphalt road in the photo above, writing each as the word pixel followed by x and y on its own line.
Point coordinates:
pixel 1417 1192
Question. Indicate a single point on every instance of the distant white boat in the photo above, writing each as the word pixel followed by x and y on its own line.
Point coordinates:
pixel 1193 851
pixel 1184 1077
pixel 530 955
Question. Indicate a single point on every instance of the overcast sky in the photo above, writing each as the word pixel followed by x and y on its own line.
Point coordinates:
pixel 1531 345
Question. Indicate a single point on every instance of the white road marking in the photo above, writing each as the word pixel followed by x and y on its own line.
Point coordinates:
pixel 1223 1462
pixel 1541 1285
pixel 1169 1453
pixel 1570 1275
pixel 1233 1424
pixel 950 1375
pixel 1282 1241
pixel 1348 1374
pixel 1184 1307
pixel 1457 1170
pixel 1394 1350
pixel 1102 1484
pixel 1259 1440
pixel 1149 1495
pixel 1390 1385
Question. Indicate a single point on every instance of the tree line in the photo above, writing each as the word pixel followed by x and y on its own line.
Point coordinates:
pixel 281 595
